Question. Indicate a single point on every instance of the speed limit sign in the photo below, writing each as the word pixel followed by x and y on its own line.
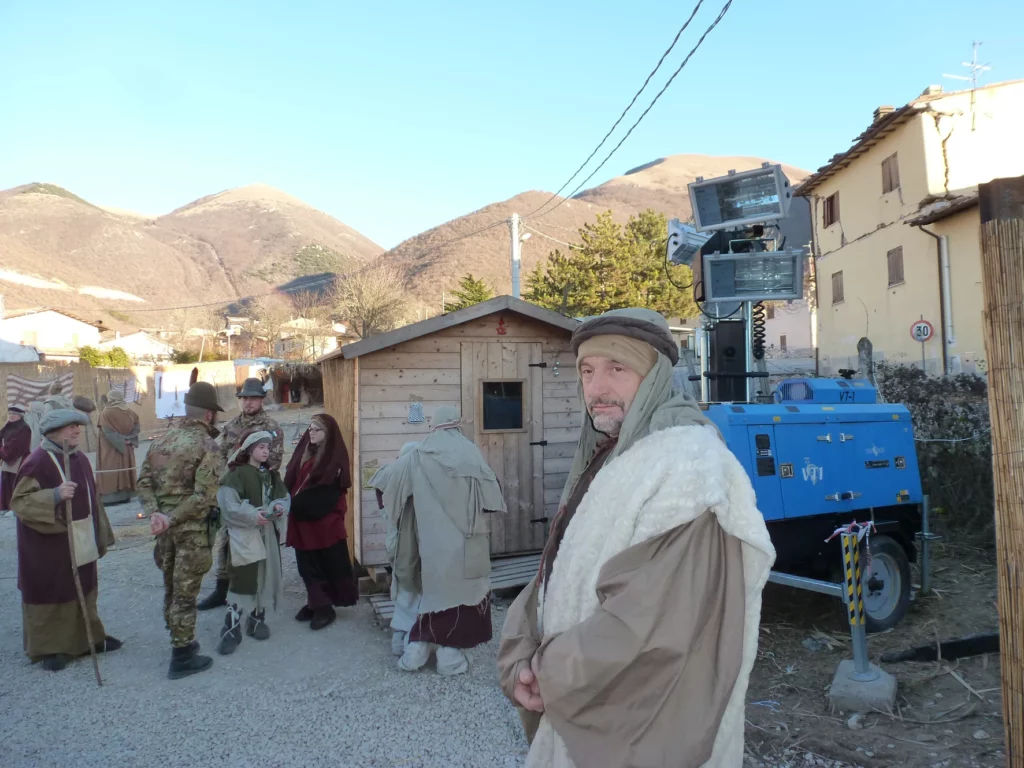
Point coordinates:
pixel 921 331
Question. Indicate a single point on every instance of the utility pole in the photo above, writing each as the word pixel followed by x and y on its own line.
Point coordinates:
pixel 1002 267
pixel 513 225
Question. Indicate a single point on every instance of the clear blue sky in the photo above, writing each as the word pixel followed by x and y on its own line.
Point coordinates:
pixel 395 117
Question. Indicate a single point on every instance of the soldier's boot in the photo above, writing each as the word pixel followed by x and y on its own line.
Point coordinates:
pixel 215 599
pixel 185 661
pixel 256 625
pixel 231 632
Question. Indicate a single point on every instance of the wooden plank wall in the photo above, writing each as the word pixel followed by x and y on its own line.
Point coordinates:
pixel 341 400
pixel 563 417
pixel 428 370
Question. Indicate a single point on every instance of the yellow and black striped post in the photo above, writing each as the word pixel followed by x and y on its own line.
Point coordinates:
pixel 855 606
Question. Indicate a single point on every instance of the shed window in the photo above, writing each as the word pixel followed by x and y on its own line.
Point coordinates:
pixel 502 406
pixel 895 259
pixel 831 209
pixel 837 288
pixel 890 174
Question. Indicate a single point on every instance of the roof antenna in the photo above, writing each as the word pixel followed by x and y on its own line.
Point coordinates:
pixel 975 69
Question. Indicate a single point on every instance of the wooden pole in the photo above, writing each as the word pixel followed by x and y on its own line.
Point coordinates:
pixel 1002 265
pixel 74 572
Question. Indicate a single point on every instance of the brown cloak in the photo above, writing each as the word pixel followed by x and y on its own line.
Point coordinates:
pixel 118 428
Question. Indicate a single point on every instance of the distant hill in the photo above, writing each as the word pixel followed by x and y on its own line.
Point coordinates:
pixel 431 267
pixel 59 250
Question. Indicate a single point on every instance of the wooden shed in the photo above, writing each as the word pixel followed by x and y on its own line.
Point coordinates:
pixel 507 365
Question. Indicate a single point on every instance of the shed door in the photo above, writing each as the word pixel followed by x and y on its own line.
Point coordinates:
pixel 503 412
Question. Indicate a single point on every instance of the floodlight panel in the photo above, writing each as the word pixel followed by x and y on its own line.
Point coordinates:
pixel 751 197
pixel 684 242
pixel 768 275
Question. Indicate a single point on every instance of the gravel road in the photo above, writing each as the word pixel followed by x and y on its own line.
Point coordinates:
pixel 302 698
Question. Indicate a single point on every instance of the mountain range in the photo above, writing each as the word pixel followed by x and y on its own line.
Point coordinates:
pixel 122 269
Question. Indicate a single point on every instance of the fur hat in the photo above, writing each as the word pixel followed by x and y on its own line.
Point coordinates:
pixel 59 418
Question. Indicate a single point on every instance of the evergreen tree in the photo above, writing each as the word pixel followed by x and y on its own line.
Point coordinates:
pixel 614 267
pixel 470 291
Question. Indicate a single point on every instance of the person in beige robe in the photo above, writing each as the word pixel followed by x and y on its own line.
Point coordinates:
pixel 633 646
pixel 119 437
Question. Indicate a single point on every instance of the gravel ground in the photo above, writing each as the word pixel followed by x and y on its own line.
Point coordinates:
pixel 302 698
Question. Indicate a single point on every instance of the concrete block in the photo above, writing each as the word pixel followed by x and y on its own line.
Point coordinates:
pixel 852 695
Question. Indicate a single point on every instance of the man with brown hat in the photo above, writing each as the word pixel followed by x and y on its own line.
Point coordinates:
pixel 251 418
pixel 178 487
pixel 634 644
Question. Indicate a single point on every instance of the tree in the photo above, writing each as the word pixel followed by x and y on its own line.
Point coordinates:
pixel 372 301
pixel 470 291
pixel 93 357
pixel 314 323
pixel 118 358
pixel 270 314
pixel 615 267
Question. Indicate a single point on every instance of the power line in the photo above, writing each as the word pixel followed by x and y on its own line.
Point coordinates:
pixel 552 239
pixel 628 106
pixel 714 24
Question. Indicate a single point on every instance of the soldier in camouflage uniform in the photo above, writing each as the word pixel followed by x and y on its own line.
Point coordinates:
pixel 252 417
pixel 178 487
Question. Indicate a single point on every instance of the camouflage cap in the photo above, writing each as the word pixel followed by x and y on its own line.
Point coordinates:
pixel 203 394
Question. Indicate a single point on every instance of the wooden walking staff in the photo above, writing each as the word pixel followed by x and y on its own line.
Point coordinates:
pixel 74 572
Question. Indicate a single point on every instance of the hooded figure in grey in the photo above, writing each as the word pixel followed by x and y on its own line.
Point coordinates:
pixel 440 493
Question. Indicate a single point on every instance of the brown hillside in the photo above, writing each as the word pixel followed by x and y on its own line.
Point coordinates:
pixel 431 267
pixel 257 232
pixel 59 250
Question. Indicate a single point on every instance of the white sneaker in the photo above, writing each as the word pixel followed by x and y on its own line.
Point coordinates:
pixel 398 642
pixel 451 661
pixel 415 656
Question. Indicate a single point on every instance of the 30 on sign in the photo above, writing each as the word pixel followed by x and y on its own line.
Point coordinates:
pixel 921 330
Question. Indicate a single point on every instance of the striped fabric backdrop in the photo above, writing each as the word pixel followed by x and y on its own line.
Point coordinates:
pixel 24 391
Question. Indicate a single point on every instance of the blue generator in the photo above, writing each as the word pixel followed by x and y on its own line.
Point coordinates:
pixel 824 454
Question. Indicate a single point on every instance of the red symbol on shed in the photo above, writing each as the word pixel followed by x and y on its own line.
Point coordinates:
pixel 502 330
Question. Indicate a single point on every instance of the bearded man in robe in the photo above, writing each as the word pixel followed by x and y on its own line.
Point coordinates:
pixel 119 437
pixel 53 619
pixel 634 644
pixel 438 495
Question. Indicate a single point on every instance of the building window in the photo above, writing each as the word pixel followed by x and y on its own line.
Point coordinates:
pixel 890 174
pixel 831 209
pixel 837 287
pixel 502 406
pixel 782 343
pixel 895 259
pixel 770 312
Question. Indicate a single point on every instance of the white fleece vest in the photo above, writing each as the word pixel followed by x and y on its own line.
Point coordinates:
pixel 665 480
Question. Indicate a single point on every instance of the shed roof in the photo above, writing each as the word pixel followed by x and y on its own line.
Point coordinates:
pixel 458 317
pixel 877 131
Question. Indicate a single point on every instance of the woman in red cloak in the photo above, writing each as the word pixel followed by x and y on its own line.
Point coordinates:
pixel 318 478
